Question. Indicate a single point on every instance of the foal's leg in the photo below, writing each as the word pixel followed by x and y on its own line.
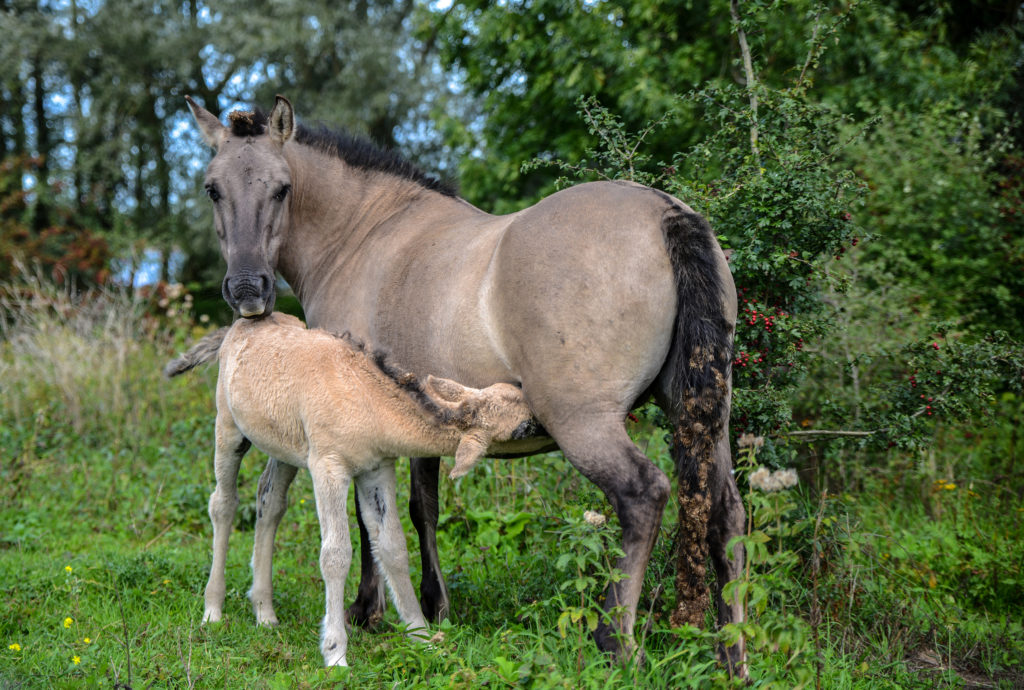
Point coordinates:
pixel 229 449
pixel 272 502
pixel 330 486
pixel 368 607
pixel 379 504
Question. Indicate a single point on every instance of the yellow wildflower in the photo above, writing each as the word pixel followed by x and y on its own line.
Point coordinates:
pixel 949 486
pixel 68 568
pixel 76 660
pixel 14 647
pixel 68 622
pixel 87 640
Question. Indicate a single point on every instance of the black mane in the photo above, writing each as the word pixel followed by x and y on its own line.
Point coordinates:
pixel 357 151
pixel 406 381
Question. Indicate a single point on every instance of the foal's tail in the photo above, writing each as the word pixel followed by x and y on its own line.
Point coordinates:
pixel 699 364
pixel 202 352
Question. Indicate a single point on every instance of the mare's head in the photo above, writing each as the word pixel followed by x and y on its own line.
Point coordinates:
pixel 249 183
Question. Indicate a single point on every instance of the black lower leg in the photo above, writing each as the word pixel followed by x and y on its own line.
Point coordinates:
pixel 423 509
pixel 368 608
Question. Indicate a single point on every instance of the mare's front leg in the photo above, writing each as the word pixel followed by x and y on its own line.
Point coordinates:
pixel 330 487
pixel 379 505
pixel 368 608
pixel 271 503
pixel 229 449
pixel 423 509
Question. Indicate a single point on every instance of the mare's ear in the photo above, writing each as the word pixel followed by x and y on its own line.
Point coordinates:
pixel 281 124
pixel 209 125
pixel 445 389
pixel 471 448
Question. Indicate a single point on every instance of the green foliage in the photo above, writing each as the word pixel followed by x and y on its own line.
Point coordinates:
pixel 947 213
pixel 69 253
pixel 528 63
pixel 93 92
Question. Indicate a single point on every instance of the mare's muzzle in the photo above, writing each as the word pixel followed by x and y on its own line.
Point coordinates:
pixel 249 293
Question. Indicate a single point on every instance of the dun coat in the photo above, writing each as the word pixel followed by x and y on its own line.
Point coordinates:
pixel 311 399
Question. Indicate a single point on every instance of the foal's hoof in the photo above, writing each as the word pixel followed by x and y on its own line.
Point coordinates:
pixel 212 616
pixel 335 661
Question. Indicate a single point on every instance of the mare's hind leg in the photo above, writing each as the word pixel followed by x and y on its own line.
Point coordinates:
pixel 600 448
pixel 727 521
pixel 230 446
pixel 272 501
pixel 379 505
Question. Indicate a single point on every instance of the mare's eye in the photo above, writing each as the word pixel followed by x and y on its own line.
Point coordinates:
pixel 212 192
pixel 282 193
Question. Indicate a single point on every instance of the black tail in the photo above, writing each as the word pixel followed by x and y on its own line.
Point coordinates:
pixel 701 355
pixel 202 352
pixel 700 362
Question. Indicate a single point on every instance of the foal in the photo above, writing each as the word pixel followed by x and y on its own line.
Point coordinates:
pixel 316 400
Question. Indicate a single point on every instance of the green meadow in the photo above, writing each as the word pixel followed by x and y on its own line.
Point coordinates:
pixel 908 574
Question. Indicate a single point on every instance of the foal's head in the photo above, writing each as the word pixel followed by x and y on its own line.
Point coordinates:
pixel 249 183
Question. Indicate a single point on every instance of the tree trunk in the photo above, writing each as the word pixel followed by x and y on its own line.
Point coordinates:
pixel 41 215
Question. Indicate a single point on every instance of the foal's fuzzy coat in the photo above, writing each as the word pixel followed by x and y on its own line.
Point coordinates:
pixel 316 400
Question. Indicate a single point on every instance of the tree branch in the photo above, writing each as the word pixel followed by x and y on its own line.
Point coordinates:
pixel 831 432
pixel 748 69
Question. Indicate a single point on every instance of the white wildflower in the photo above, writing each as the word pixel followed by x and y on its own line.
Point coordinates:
pixel 594 518
pixel 765 480
pixel 746 440
pixel 788 478
pixel 760 477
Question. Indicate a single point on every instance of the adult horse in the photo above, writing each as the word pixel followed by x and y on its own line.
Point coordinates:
pixel 592 300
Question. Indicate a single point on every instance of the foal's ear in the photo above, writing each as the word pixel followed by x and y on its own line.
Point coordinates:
pixel 445 389
pixel 209 125
pixel 282 121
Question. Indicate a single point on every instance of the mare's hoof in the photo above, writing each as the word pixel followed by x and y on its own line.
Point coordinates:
pixel 361 616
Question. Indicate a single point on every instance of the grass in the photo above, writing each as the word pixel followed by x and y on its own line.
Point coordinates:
pixel 105 546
